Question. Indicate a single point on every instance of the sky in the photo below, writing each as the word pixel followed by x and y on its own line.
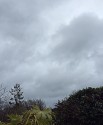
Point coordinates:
pixel 51 47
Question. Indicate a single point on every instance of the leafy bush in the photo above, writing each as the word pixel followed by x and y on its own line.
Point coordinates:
pixel 84 107
pixel 35 116
pixel 15 119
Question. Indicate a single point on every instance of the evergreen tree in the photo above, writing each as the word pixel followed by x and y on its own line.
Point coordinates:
pixel 17 95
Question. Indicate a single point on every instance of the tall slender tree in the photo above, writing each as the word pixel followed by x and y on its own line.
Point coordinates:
pixel 2 96
pixel 17 95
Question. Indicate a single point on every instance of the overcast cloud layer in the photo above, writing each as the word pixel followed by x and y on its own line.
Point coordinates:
pixel 52 47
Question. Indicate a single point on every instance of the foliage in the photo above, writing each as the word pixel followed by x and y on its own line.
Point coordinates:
pixel 37 102
pixel 84 107
pixel 3 97
pixel 15 119
pixel 17 106
pixel 2 123
pixel 17 95
pixel 26 105
pixel 35 116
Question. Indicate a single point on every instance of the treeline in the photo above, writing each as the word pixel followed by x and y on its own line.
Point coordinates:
pixel 15 102
pixel 83 107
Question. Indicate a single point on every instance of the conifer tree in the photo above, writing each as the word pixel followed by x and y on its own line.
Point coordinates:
pixel 17 95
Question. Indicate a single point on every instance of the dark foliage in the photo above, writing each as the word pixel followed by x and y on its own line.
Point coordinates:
pixel 17 104
pixel 3 98
pixel 30 103
pixel 26 105
pixel 84 107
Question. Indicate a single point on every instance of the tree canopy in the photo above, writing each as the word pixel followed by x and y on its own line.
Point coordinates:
pixel 84 107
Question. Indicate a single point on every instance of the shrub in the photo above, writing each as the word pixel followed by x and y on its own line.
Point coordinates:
pixel 35 116
pixel 84 107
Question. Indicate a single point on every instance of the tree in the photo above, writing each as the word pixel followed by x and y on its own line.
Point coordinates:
pixel 17 95
pixel 30 103
pixel 2 91
pixel 3 102
pixel 2 95
pixel 84 107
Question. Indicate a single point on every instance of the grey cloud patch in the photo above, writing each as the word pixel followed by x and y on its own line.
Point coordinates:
pixel 81 38
pixel 72 64
pixel 17 17
pixel 20 32
pixel 60 81
pixel 48 68
pixel 77 58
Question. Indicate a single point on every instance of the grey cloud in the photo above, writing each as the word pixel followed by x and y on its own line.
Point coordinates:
pixel 71 65
pixel 60 81
pixel 48 68
pixel 77 58
pixel 20 32
pixel 17 17
pixel 81 38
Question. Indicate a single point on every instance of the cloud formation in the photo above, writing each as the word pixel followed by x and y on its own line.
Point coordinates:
pixel 76 58
pixel 51 47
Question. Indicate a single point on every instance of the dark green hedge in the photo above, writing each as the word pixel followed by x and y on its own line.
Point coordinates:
pixel 84 107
